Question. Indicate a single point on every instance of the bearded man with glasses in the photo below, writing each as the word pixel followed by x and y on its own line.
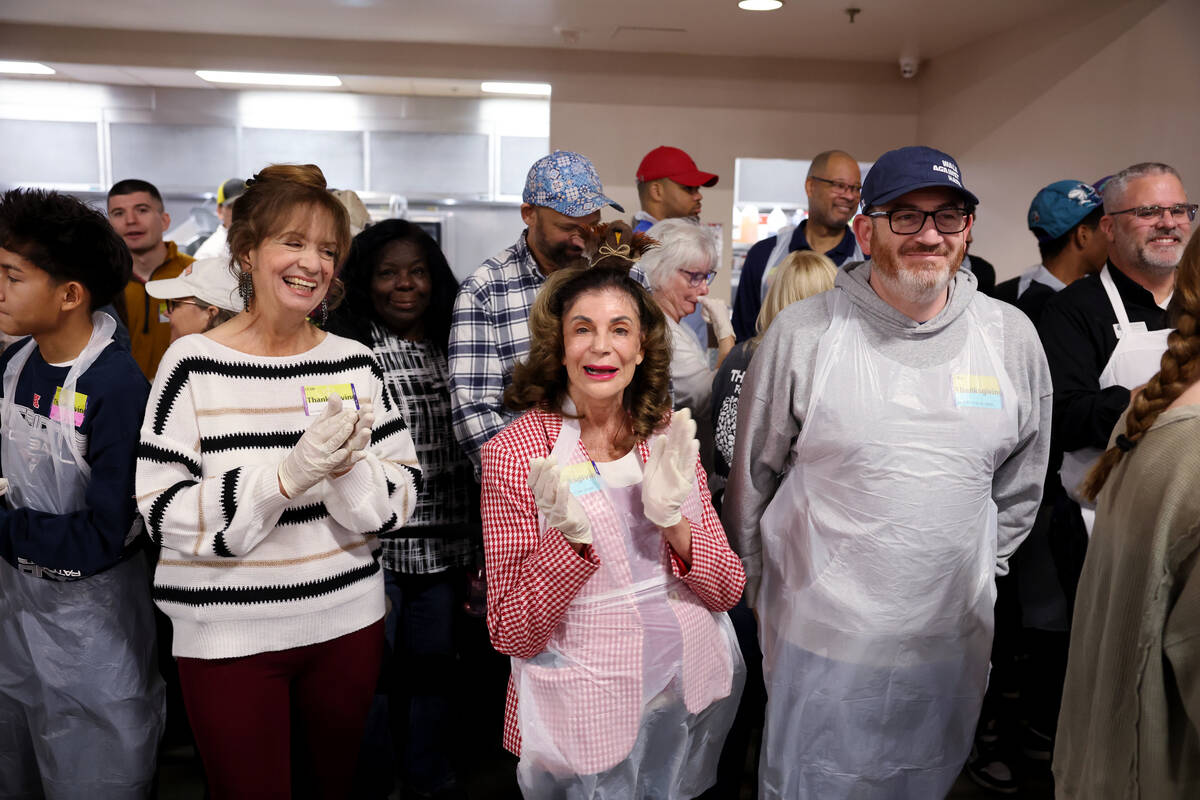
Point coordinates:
pixel 1105 334
pixel 833 187
pixel 892 442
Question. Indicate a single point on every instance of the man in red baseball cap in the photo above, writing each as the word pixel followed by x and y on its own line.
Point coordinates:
pixel 668 185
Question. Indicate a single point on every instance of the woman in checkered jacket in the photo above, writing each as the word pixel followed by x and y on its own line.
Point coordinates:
pixel 608 570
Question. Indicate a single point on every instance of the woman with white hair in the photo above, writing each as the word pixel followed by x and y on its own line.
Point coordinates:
pixel 679 272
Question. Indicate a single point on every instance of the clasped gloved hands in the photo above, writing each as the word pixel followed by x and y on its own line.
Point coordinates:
pixel 331 446
pixel 670 471
pixel 552 493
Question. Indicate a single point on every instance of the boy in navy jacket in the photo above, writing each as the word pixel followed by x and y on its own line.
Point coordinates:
pixel 81 702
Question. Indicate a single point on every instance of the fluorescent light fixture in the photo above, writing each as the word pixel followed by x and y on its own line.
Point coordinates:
pixel 760 5
pixel 268 78
pixel 24 68
pixel 501 87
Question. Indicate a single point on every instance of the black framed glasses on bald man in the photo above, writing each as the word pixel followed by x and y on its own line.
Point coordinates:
pixel 1178 211
pixel 905 221
pixel 841 186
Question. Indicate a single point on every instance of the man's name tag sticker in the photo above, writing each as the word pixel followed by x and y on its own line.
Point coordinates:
pixel 1134 327
pixel 57 411
pixel 581 477
pixel 977 391
pixel 317 397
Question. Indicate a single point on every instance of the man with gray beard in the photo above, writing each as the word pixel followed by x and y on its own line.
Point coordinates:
pixel 1105 334
pixel 891 447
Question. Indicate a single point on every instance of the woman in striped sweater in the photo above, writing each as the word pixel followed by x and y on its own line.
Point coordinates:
pixel 271 462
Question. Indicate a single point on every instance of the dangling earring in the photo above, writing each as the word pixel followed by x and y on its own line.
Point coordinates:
pixel 324 311
pixel 245 288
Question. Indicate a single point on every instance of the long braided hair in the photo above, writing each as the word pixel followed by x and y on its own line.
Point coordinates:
pixel 1179 369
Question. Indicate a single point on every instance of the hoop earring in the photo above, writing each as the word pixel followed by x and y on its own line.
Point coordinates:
pixel 245 288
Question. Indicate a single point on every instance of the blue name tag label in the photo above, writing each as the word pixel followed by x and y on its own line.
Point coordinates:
pixel 977 391
pixel 582 478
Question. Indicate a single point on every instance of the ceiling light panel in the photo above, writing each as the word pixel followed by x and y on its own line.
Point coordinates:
pixel 268 78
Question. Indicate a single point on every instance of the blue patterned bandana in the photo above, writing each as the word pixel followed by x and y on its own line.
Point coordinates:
pixel 566 182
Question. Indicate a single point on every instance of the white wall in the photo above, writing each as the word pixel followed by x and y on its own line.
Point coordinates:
pixel 1079 97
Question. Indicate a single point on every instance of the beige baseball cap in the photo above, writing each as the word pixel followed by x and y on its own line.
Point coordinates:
pixel 208 279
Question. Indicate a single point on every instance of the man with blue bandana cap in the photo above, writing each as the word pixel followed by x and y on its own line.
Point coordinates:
pixel 490 332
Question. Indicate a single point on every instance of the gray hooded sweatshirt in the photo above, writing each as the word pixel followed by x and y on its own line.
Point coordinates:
pixel 777 385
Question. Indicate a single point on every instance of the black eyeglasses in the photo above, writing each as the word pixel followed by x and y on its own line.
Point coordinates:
pixel 905 221
pixel 174 304
pixel 1177 211
pixel 841 186
pixel 699 278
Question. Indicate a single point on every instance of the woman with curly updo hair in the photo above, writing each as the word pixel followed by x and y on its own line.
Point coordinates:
pixel 1130 721
pixel 271 462
pixel 608 570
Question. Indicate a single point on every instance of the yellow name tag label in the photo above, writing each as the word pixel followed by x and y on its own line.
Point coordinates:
pixel 317 397
pixel 977 391
pixel 56 409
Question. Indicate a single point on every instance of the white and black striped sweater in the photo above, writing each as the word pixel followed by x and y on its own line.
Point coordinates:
pixel 244 569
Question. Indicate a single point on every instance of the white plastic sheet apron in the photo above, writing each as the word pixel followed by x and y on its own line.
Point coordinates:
pixel 1137 357
pixel 638 686
pixel 879 550
pixel 81 702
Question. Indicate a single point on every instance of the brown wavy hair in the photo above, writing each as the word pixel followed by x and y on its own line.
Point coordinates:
pixel 541 378
pixel 1179 368
pixel 270 199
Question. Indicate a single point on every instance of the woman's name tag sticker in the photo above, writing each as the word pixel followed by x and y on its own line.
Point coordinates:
pixel 977 391
pixel 582 478
pixel 317 397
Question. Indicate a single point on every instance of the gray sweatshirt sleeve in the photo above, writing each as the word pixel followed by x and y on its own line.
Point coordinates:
pixel 774 398
pixel 1018 481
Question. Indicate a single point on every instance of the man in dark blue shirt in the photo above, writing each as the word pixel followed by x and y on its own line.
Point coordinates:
pixel 833 186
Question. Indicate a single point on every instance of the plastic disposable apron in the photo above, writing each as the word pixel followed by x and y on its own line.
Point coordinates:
pixel 43 459
pixel 879 550
pixel 1136 358
pixel 81 701
pixel 639 684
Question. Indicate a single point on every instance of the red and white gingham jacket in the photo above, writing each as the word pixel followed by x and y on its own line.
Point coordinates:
pixel 532 579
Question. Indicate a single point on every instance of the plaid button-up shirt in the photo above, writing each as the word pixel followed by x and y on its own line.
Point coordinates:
pixel 490 333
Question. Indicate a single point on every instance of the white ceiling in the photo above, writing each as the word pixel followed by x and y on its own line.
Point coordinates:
pixel 813 29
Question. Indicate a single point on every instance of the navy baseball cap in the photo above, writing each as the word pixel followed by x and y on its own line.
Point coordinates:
pixel 898 172
pixel 1059 207
pixel 566 182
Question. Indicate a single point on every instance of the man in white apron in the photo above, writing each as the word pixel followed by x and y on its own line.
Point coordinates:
pixel 833 189
pixel 1033 603
pixel 1105 334
pixel 892 440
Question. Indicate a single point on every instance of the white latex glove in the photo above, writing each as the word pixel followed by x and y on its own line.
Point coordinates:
pixel 3 486
pixel 360 437
pixel 553 496
pixel 714 311
pixel 670 471
pixel 321 450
